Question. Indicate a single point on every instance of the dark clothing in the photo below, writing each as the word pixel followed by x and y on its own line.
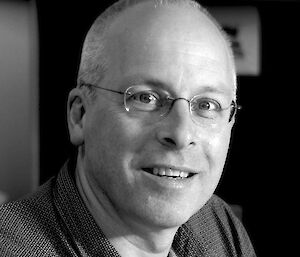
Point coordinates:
pixel 54 221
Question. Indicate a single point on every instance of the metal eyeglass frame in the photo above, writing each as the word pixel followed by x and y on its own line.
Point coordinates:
pixel 233 104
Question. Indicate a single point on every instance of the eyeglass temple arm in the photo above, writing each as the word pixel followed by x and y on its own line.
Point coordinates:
pixel 82 84
pixel 234 109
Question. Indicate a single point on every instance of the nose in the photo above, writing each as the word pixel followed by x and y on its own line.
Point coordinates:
pixel 177 130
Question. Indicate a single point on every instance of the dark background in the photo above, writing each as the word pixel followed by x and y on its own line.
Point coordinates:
pixel 258 171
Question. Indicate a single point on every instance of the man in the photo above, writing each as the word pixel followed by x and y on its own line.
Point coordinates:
pixel 151 118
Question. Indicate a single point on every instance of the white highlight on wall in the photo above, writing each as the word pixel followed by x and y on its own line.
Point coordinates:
pixel 19 138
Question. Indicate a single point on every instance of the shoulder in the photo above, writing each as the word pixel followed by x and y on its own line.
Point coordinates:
pixel 38 201
pixel 215 213
pixel 24 223
pixel 219 232
pixel 219 208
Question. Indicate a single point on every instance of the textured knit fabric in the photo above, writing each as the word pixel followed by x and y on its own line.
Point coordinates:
pixel 54 221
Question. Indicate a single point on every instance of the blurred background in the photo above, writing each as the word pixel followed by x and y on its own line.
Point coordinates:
pixel 40 44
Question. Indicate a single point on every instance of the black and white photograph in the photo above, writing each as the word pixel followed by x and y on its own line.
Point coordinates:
pixel 148 128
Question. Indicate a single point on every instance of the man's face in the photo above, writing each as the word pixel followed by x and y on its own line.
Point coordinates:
pixel 180 52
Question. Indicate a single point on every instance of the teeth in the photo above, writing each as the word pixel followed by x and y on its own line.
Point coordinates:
pixel 155 171
pixel 183 174
pixel 170 172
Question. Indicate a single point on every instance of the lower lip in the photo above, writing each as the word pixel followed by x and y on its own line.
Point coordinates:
pixel 171 183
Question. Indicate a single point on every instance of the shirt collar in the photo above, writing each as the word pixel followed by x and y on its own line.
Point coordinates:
pixel 87 237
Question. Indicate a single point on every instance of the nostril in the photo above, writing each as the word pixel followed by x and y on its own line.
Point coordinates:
pixel 169 141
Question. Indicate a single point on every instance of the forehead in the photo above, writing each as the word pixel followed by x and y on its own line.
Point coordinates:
pixel 170 42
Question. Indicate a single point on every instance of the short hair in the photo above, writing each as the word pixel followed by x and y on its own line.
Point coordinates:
pixel 93 64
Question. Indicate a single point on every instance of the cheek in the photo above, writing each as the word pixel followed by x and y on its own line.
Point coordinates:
pixel 123 136
pixel 216 152
pixel 110 130
pixel 221 145
pixel 105 151
pixel 112 140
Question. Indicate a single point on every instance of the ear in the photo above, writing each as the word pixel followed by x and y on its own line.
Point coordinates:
pixel 76 116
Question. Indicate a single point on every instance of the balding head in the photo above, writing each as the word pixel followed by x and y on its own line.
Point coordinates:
pixel 126 16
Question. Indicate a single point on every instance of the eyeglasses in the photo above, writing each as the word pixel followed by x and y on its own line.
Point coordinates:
pixel 152 103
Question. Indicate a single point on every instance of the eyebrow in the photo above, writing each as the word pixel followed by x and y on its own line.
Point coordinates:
pixel 214 89
pixel 157 83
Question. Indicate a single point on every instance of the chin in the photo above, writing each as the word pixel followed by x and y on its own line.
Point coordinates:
pixel 168 217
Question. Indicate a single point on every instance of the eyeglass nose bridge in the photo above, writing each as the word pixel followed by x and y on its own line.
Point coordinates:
pixel 171 102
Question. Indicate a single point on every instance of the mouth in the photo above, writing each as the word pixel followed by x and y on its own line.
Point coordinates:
pixel 171 173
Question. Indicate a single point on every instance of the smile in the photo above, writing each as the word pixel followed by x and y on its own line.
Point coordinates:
pixel 169 172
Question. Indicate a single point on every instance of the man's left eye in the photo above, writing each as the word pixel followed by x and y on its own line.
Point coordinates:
pixel 207 105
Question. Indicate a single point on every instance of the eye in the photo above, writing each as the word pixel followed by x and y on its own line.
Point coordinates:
pixel 206 107
pixel 144 100
pixel 205 104
pixel 145 97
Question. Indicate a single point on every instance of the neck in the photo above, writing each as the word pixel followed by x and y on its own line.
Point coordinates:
pixel 130 238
